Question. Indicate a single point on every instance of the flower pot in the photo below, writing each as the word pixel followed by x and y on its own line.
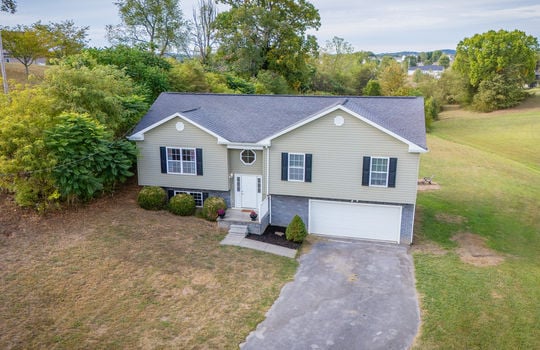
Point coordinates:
pixel 253 217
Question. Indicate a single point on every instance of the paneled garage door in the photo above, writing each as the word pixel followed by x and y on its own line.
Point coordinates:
pixel 355 220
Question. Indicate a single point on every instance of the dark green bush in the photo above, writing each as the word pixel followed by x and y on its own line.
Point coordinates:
pixel 296 231
pixel 182 204
pixel 211 206
pixel 152 198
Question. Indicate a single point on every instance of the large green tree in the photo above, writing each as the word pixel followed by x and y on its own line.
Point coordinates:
pixel 158 25
pixel 63 38
pixel 269 35
pixel 26 44
pixel 493 58
pixel 103 91
pixel 145 68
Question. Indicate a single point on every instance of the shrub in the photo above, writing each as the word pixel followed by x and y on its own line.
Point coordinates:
pixel 152 198
pixel 296 231
pixel 182 204
pixel 211 206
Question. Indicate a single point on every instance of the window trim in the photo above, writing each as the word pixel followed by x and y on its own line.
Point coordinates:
pixel 254 157
pixel 296 167
pixel 181 149
pixel 379 172
pixel 191 193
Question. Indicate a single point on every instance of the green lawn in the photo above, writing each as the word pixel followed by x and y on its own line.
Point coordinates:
pixel 488 166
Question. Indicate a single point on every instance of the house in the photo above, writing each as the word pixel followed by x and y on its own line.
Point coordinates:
pixel 432 69
pixel 348 166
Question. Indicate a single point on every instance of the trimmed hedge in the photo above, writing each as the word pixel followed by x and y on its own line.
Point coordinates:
pixel 152 198
pixel 296 231
pixel 182 204
pixel 211 206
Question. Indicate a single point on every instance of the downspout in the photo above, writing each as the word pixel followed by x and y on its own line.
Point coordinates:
pixel 268 184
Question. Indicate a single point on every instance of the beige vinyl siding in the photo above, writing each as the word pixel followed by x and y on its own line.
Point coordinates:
pixel 337 161
pixel 215 161
pixel 238 167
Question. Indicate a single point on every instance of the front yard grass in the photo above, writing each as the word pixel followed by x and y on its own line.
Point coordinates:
pixel 488 169
pixel 112 275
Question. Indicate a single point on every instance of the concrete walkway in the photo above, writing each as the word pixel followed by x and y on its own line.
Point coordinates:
pixel 241 241
pixel 345 295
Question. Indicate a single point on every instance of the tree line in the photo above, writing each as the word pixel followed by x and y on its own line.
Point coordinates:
pixel 62 138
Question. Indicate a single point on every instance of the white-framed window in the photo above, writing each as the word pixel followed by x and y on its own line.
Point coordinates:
pixel 297 163
pixel 181 161
pixel 379 171
pixel 248 157
pixel 197 196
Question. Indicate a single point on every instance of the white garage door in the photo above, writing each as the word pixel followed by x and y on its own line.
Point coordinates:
pixel 355 220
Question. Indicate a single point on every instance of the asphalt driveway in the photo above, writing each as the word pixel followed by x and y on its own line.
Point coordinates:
pixel 345 295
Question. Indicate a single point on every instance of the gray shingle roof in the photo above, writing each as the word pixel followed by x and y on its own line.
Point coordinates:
pixel 251 118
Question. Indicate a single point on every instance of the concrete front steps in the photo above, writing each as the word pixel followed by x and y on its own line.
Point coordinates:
pixel 239 217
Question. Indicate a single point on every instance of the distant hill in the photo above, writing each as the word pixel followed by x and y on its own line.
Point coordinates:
pixel 413 53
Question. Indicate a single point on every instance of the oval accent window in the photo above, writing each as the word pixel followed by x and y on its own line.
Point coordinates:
pixel 247 157
pixel 339 120
pixel 180 126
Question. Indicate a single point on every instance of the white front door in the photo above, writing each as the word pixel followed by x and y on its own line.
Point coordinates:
pixel 247 191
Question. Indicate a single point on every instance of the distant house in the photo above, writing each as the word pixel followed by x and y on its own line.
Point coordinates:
pixel 432 69
pixel 348 166
pixel 42 61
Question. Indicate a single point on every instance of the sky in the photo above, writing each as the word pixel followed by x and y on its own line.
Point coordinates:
pixel 377 26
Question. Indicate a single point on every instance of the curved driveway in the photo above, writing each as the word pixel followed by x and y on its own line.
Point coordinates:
pixel 345 295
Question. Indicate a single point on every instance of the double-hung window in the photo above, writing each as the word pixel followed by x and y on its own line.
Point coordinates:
pixel 296 166
pixel 181 161
pixel 379 172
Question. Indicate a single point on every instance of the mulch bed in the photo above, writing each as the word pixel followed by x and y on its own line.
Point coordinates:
pixel 269 236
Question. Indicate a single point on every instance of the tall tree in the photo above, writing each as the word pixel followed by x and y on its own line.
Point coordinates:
pixel 337 48
pixel 203 34
pixel 269 35
pixel 102 91
pixel 393 80
pixel 145 68
pixel 158 25
pixel 63 38
pixel 8 6
pixel 26 44
pixel 489 59
pixel 444 61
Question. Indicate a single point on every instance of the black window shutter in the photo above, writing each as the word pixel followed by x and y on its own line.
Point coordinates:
pixel 285 166
pixel 392 172
pixel 170 194
pixel 204 196
pixel 308 167
pixel 199 161
pixel 163 157
pixel 366 171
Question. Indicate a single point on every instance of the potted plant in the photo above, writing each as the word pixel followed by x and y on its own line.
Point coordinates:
pixel 253 215
pixel 221 213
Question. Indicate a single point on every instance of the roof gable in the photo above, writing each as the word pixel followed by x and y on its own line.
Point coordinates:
pixel 256 119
